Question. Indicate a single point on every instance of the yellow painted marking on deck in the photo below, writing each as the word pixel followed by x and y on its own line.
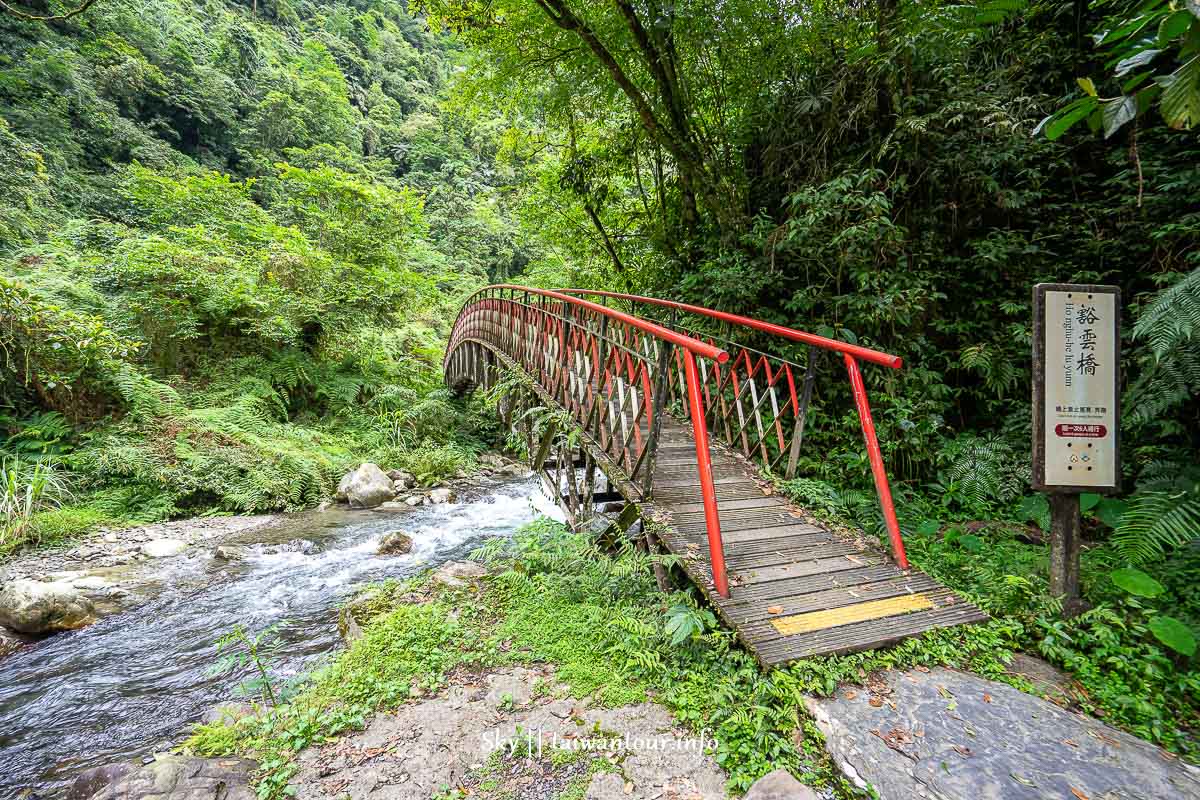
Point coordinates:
pixel 860 612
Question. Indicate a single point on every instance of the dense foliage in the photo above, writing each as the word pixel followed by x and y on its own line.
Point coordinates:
pixel 231 240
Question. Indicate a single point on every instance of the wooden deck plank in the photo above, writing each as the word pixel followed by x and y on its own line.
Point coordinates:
pixel 853 596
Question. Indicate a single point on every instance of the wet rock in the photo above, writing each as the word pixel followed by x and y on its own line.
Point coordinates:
pixel 324 505
pixel 290 546
pixel 341 494
pixel 366 487
pixel 414 501
pixel 401 480
pixel 10 642
pixel 171 777
pixel 395 543
pixel 37 608
pixel 459 573
pixel 779 785
pixel 163 548
pixel 228 552
pixel 227 713
pixel 90 583
pixel 443 495
pixel 91 781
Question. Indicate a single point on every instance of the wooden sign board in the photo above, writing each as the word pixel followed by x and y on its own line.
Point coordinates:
pixel 1076 388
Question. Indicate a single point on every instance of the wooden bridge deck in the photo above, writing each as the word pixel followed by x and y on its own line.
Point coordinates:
pixel 797 589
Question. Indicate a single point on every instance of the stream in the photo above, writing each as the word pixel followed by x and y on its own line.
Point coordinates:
pixel 129 685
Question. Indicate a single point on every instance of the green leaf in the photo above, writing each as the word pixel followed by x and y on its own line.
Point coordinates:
pixel 1109 511
pixel 929 527
pixel 1037 509
pixel 970 542
pixel 1117 113
pixel 1141 59
pixel 1180 103
pixel 1174 634
pixel 1088 501
pixel 1059 123
pixel 1087 86
pixel 1136 582
pixel 1175 25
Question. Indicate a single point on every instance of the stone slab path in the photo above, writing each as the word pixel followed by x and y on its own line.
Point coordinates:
pixel 947 735
pixel 436 746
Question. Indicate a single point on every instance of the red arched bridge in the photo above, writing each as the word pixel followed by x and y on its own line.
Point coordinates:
pixel 672 410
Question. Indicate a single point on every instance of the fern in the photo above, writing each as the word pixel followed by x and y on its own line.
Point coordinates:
pixel 1154 523
pixel 1172 318
pixel 1169 325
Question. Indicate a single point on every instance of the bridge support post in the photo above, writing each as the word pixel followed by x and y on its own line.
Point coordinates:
pixel 712 519
pixel 876 458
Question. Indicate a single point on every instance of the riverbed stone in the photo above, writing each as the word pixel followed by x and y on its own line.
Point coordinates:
pixel 955 736
pixel 230 552
pixel 163 548
pixel 396 543
pixel 37 608
pixel 457 574
pixel 173 777
pixel 89 782
pixel 366 487
pixel 402 480
pixel 779 785
pixel 10 642
pixel 443 495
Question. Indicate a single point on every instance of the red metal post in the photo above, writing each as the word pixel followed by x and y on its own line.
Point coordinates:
pixel 876 457
pixel 712 520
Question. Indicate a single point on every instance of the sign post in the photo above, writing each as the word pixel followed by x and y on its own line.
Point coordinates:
pixel 1076 412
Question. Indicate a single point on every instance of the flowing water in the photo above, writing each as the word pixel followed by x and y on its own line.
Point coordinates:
pixel 129 685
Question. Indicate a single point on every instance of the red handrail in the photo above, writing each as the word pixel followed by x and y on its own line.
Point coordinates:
pixel 702 349
pixel 859 352
pixel 851 354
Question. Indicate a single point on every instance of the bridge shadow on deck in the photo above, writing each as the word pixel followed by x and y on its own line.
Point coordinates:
pixel 797 588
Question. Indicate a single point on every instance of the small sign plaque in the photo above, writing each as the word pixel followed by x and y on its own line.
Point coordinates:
pixel 1076 388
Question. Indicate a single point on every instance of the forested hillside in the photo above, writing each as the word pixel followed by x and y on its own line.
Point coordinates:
pixel 233 236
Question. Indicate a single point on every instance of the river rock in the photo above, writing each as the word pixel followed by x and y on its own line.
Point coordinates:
pixel 341 494
pixel 459 573
pixel 414 501
pixel 91 781
pixel 171 777
pixel 37 608
pixel 779 785
pixel 402 480
pixel 9 642
pixel 163 548
pixel 227 713
pixel 396 543
pixel 367 487
pixel 443 496
pixel 229 552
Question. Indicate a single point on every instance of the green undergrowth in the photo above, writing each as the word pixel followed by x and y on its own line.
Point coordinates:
pixel 612 637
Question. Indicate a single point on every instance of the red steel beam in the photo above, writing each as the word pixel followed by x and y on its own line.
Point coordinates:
pixel 689 343
pixel 876 458
pixel 708 491
pixel 859 352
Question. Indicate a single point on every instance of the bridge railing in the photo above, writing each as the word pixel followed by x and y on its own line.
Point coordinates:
pixel 611 372
pixel 752 402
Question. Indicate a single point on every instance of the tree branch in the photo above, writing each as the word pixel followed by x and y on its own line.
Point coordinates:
pixel 19 14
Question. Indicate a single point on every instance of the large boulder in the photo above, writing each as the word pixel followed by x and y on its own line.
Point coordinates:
pixel 779 785
pixel 396 543
pixel 38 608
pixel 171 777
pixel 366 487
